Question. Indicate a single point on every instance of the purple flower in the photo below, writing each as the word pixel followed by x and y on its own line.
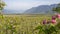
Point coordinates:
pixel 44 21
pixel 53 17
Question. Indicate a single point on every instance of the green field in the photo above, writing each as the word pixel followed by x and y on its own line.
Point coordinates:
pixel 21 24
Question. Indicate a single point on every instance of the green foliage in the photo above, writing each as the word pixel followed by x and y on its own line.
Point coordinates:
pixel 40 28
pixel 48 29
pixel 57 9
pixel 58 26
pixel 2 4
pixel 22 24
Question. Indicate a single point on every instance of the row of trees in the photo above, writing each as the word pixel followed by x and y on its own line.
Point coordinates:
pixel 57 9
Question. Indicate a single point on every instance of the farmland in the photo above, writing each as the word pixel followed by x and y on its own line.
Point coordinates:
pixel 21 24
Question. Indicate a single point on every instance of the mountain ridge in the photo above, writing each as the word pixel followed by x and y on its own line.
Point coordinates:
pixel 42 9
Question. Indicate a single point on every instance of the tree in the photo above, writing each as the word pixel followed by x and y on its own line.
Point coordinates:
pixel 2 4
pixel 57 9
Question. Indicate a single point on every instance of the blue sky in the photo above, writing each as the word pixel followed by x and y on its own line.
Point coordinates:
pixel 26 4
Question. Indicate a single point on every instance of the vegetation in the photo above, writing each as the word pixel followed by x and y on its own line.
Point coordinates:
pixel 2 4
pixel 23 24
pixel 57 9
pixel 32 24
pixel 50 26
pixel 20 24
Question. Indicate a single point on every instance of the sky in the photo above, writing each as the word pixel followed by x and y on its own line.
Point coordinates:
pixel 27 4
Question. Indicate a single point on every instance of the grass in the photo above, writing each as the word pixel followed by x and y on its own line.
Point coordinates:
pixel 21 24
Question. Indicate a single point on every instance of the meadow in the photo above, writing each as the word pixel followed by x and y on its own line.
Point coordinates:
pixel 21 24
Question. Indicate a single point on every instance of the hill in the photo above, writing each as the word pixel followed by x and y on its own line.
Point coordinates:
pixel 42 9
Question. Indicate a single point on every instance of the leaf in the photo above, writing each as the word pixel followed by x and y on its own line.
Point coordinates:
pixel 39 27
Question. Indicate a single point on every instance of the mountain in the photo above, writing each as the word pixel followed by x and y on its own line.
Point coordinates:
pixel 42 9
pixel 7 11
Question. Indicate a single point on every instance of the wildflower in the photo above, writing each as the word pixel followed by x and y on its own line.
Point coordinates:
pixel 53 21
pixel 53 17
pixel 58 16
pixel 44 21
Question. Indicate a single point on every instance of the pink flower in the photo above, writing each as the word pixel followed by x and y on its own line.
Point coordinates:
pixel 53 21
pixel 58 16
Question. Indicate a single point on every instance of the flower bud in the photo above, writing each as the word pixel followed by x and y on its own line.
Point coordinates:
pixel 53 17
pixel 44 21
